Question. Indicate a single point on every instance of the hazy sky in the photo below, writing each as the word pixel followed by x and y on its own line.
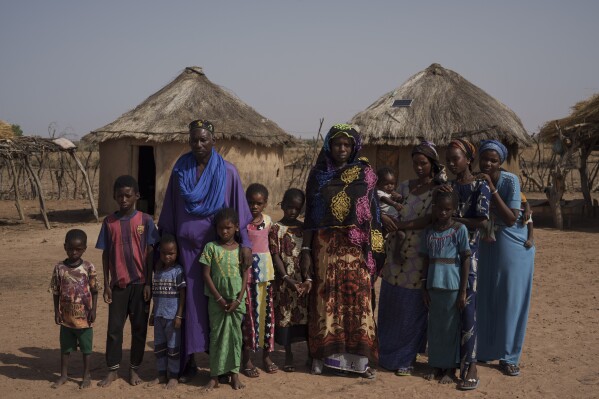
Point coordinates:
pixel 81 64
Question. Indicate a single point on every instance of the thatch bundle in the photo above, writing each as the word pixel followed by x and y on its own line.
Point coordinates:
pixel 24 146
pixel 164 116
pixel 6 131
pixel 444 106
pixel 584 117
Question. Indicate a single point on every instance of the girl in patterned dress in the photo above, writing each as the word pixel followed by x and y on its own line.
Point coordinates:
pixel 225 282
pixel 291 305
pixel 259 322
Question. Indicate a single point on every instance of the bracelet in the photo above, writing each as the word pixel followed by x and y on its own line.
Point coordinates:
pixel 494 192
pixel 308 279
pixel 179 317
pixel 218 300
pixel 238 301
pixel 285 276
pixel 423 279
pixel 306 249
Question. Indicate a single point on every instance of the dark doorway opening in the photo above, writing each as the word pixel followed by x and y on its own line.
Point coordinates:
pixel 146 177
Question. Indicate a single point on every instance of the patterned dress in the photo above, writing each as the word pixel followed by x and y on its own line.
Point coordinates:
pixel 291 311
pixel 474 200
pixel 402 315
pixel 259 322
pixel 225 328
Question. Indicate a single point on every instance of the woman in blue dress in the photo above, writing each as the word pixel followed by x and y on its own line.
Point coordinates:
pixel 473 211
pixel 506 267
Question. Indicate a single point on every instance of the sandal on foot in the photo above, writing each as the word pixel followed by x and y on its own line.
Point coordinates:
pixel 403 372
pixel 509 369
pixel 251 372
pixel 288 368
pixel 476 382
pixel 271 368
pixel 369 374
pixel 317 366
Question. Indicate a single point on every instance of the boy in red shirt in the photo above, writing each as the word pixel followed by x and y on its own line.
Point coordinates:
pixel 126 239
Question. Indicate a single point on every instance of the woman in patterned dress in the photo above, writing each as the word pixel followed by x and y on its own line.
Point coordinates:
pixel 402 315
pixel 342 243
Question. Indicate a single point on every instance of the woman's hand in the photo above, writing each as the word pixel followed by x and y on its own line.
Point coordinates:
pixel 446 188
pixel 487 178
pixel 461 301
pixel 389 224
pixel 306 287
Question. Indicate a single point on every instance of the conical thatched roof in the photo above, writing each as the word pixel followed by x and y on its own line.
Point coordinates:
pixel 444 106
pixel 164 116
pixel 585 116
pixel 6 130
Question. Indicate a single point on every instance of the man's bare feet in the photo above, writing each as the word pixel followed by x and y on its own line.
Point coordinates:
pixel 87 382
pixel 134 378
pixel 236 382
pixel 448 376
pixel 110 377
pixel 172 383
pixel 161 379
pixel 212 384
pixel 60 381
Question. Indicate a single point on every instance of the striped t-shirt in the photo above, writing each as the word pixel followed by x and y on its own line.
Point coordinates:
pixel 126 239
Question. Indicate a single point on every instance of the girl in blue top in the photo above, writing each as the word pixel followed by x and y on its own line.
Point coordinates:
pixel 446 253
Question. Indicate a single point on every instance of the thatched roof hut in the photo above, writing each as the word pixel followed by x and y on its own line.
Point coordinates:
pixel 6 131
pixel 146 141
pixel 437 104
pixel 583 119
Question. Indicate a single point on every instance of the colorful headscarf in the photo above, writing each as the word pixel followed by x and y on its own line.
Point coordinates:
pixel 346 197
pixel 467 148
pixel 494 145
pixel 428 149
pixel 201 124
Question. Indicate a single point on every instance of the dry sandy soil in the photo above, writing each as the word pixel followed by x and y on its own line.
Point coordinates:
pixel 560 357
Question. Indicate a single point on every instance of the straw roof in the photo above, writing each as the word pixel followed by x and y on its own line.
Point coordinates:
pixel 444 106
pixel 19 147
pixel 6 130
pixel 165 115
pixel 584 118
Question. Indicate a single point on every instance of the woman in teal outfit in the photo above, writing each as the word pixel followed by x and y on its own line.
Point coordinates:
pixel 505 267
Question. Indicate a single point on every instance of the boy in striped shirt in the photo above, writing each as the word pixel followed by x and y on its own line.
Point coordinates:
pixel 126 239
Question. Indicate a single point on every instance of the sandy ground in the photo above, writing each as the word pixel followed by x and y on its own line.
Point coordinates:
pixel 559 360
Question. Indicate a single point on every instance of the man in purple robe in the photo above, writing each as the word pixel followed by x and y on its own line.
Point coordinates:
pixel 201 183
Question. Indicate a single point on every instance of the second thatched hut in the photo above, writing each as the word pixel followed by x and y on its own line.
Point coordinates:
pixel 436 104
pixel 146 141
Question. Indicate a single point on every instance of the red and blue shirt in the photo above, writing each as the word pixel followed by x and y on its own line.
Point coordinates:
pixel 126 239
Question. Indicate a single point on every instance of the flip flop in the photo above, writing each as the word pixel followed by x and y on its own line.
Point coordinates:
pixel 509 369
pixel 403 372
pixel 271 368
pixel 472 387
pixel 288 368
pixel 251 372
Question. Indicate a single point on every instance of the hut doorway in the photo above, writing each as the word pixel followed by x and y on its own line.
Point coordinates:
pixel 388 156
pixel 146 177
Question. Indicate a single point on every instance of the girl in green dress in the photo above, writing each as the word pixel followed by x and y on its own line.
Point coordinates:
pixel 225 281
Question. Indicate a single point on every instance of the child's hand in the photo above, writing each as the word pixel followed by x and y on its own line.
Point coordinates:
pixel 107 295
pixel 528 244
pixel 223 304
pixel 292 284
pixel 426 298
pixel 57 318
pixel 398 206
pixel 177 323
pixel 151 320
pixel 147 292
pixel 396 196
pixel 92 316
pixel 461 301
pixel 232 306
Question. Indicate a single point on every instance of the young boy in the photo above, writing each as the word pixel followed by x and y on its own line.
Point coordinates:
pixel 168 291
pixel 527 220
pixel 390 200
pixel 126 239
pixel 75 301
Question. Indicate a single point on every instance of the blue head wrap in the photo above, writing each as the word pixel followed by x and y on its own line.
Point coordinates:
pixel 494 145
pixel 206 196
